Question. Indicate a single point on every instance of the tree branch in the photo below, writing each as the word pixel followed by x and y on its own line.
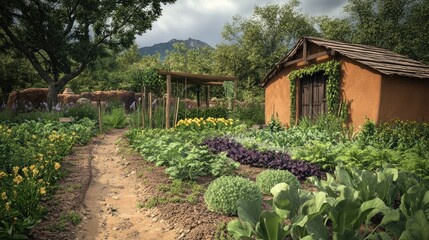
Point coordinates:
pixel 30 55
pixel 72 18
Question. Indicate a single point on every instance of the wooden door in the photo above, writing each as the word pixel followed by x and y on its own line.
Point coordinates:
pixel 312 96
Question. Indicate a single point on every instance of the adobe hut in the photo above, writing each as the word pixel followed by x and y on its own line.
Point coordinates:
pixel 320 75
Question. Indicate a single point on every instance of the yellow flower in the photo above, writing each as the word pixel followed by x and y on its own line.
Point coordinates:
pixel 17 180
pixel 3 196
pixel 32 167
pixel 34 136
pixel 35 172
pixel 7 206
pixel 57 166
pixel 9 130
pixel 3 174
pixel 15 170
pixel 42 191
pixel 25 171
pixel 40 156
pixel 40 181
pixel 73 133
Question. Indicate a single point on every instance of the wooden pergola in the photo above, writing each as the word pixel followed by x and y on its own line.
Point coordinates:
pixel 195 79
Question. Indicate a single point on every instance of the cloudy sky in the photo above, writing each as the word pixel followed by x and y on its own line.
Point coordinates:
pixel 204 19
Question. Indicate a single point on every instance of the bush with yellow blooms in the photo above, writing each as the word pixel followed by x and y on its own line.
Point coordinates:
pixel 30 163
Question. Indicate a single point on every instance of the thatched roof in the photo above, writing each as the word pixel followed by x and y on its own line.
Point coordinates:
pixel 381 60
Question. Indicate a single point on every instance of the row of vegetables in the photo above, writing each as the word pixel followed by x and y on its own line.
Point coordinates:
pixel 30 163
pixel 350 204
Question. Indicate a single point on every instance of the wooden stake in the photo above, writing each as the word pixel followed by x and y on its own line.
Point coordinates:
pixel 207 96
pixel 150 109
pixel 168 102
pixel 186 95
pixel 99 115
pixel 176 114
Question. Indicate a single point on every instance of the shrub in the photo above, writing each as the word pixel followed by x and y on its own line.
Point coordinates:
pixel 216 112
pixel 269 178
pixel 116 118
pixel 223 194
pixel 82 111
pixel 251 113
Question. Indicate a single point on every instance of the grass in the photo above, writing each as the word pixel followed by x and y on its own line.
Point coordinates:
pixel 66 218
pixel 177 191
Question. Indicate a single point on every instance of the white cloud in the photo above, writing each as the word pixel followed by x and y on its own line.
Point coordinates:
pixel 204 19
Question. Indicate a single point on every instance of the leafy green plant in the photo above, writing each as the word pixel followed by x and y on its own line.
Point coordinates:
pixel 30 164
pixel 252 112
pixel 223 194
pixel 180 151
pixel 82 111
pixel 347 206
pixel 269 178
pixel 116 118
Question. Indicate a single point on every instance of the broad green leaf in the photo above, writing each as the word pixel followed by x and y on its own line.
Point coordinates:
pixel 417 227
pixel 270 227
pixel 379 236
pixel 239 229
pixel 249 211
pixel 317 228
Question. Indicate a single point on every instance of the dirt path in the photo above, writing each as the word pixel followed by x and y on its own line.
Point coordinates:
pixel 110 207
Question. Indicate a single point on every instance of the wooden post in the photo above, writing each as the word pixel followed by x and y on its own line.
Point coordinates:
pixel 186 94
pixel 100 125
pixel 177 111
pixel 168 102
pixel 235 97
pixel 207 96
pixel 143 105
pixel 198 100
pixel 150 109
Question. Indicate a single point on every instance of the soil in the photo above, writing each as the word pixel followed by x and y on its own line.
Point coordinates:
pixel 108 184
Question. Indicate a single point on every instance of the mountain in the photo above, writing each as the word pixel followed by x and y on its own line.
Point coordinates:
pixel 162 48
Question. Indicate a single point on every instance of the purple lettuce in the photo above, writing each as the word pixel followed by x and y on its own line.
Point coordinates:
pixel 265 159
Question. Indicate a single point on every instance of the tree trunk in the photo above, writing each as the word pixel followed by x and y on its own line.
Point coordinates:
pixel 53 95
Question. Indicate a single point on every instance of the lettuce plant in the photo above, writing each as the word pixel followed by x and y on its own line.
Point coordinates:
pixel 222 194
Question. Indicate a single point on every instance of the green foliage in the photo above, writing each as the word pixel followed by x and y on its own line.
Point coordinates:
pixel 30 164
pixel 82 111
pixel 344 208
pixel 215 112
pixel 180 151
pixel 331 70
pixel 392 25
pixel 275 125
pixel 256 43
pixel 269 178
pixel 9 116
pixel 115 118
pixel 395 134
pixel 223 194
pixel 177 191
pixel 63 29
pixel 251 113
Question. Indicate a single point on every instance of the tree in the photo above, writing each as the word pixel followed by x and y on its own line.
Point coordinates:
pixel 397 25
pixel 61 37
pixel 253 45
pixel 335 28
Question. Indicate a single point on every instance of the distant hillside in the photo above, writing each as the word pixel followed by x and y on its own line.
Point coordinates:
pixel 162 48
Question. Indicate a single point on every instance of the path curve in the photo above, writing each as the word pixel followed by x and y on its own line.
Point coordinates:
pixel 110 207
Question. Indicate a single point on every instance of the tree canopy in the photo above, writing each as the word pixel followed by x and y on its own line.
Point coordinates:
pixel 252 45
pixel 61 37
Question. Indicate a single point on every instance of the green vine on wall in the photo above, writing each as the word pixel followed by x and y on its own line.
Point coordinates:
pixel 332 71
